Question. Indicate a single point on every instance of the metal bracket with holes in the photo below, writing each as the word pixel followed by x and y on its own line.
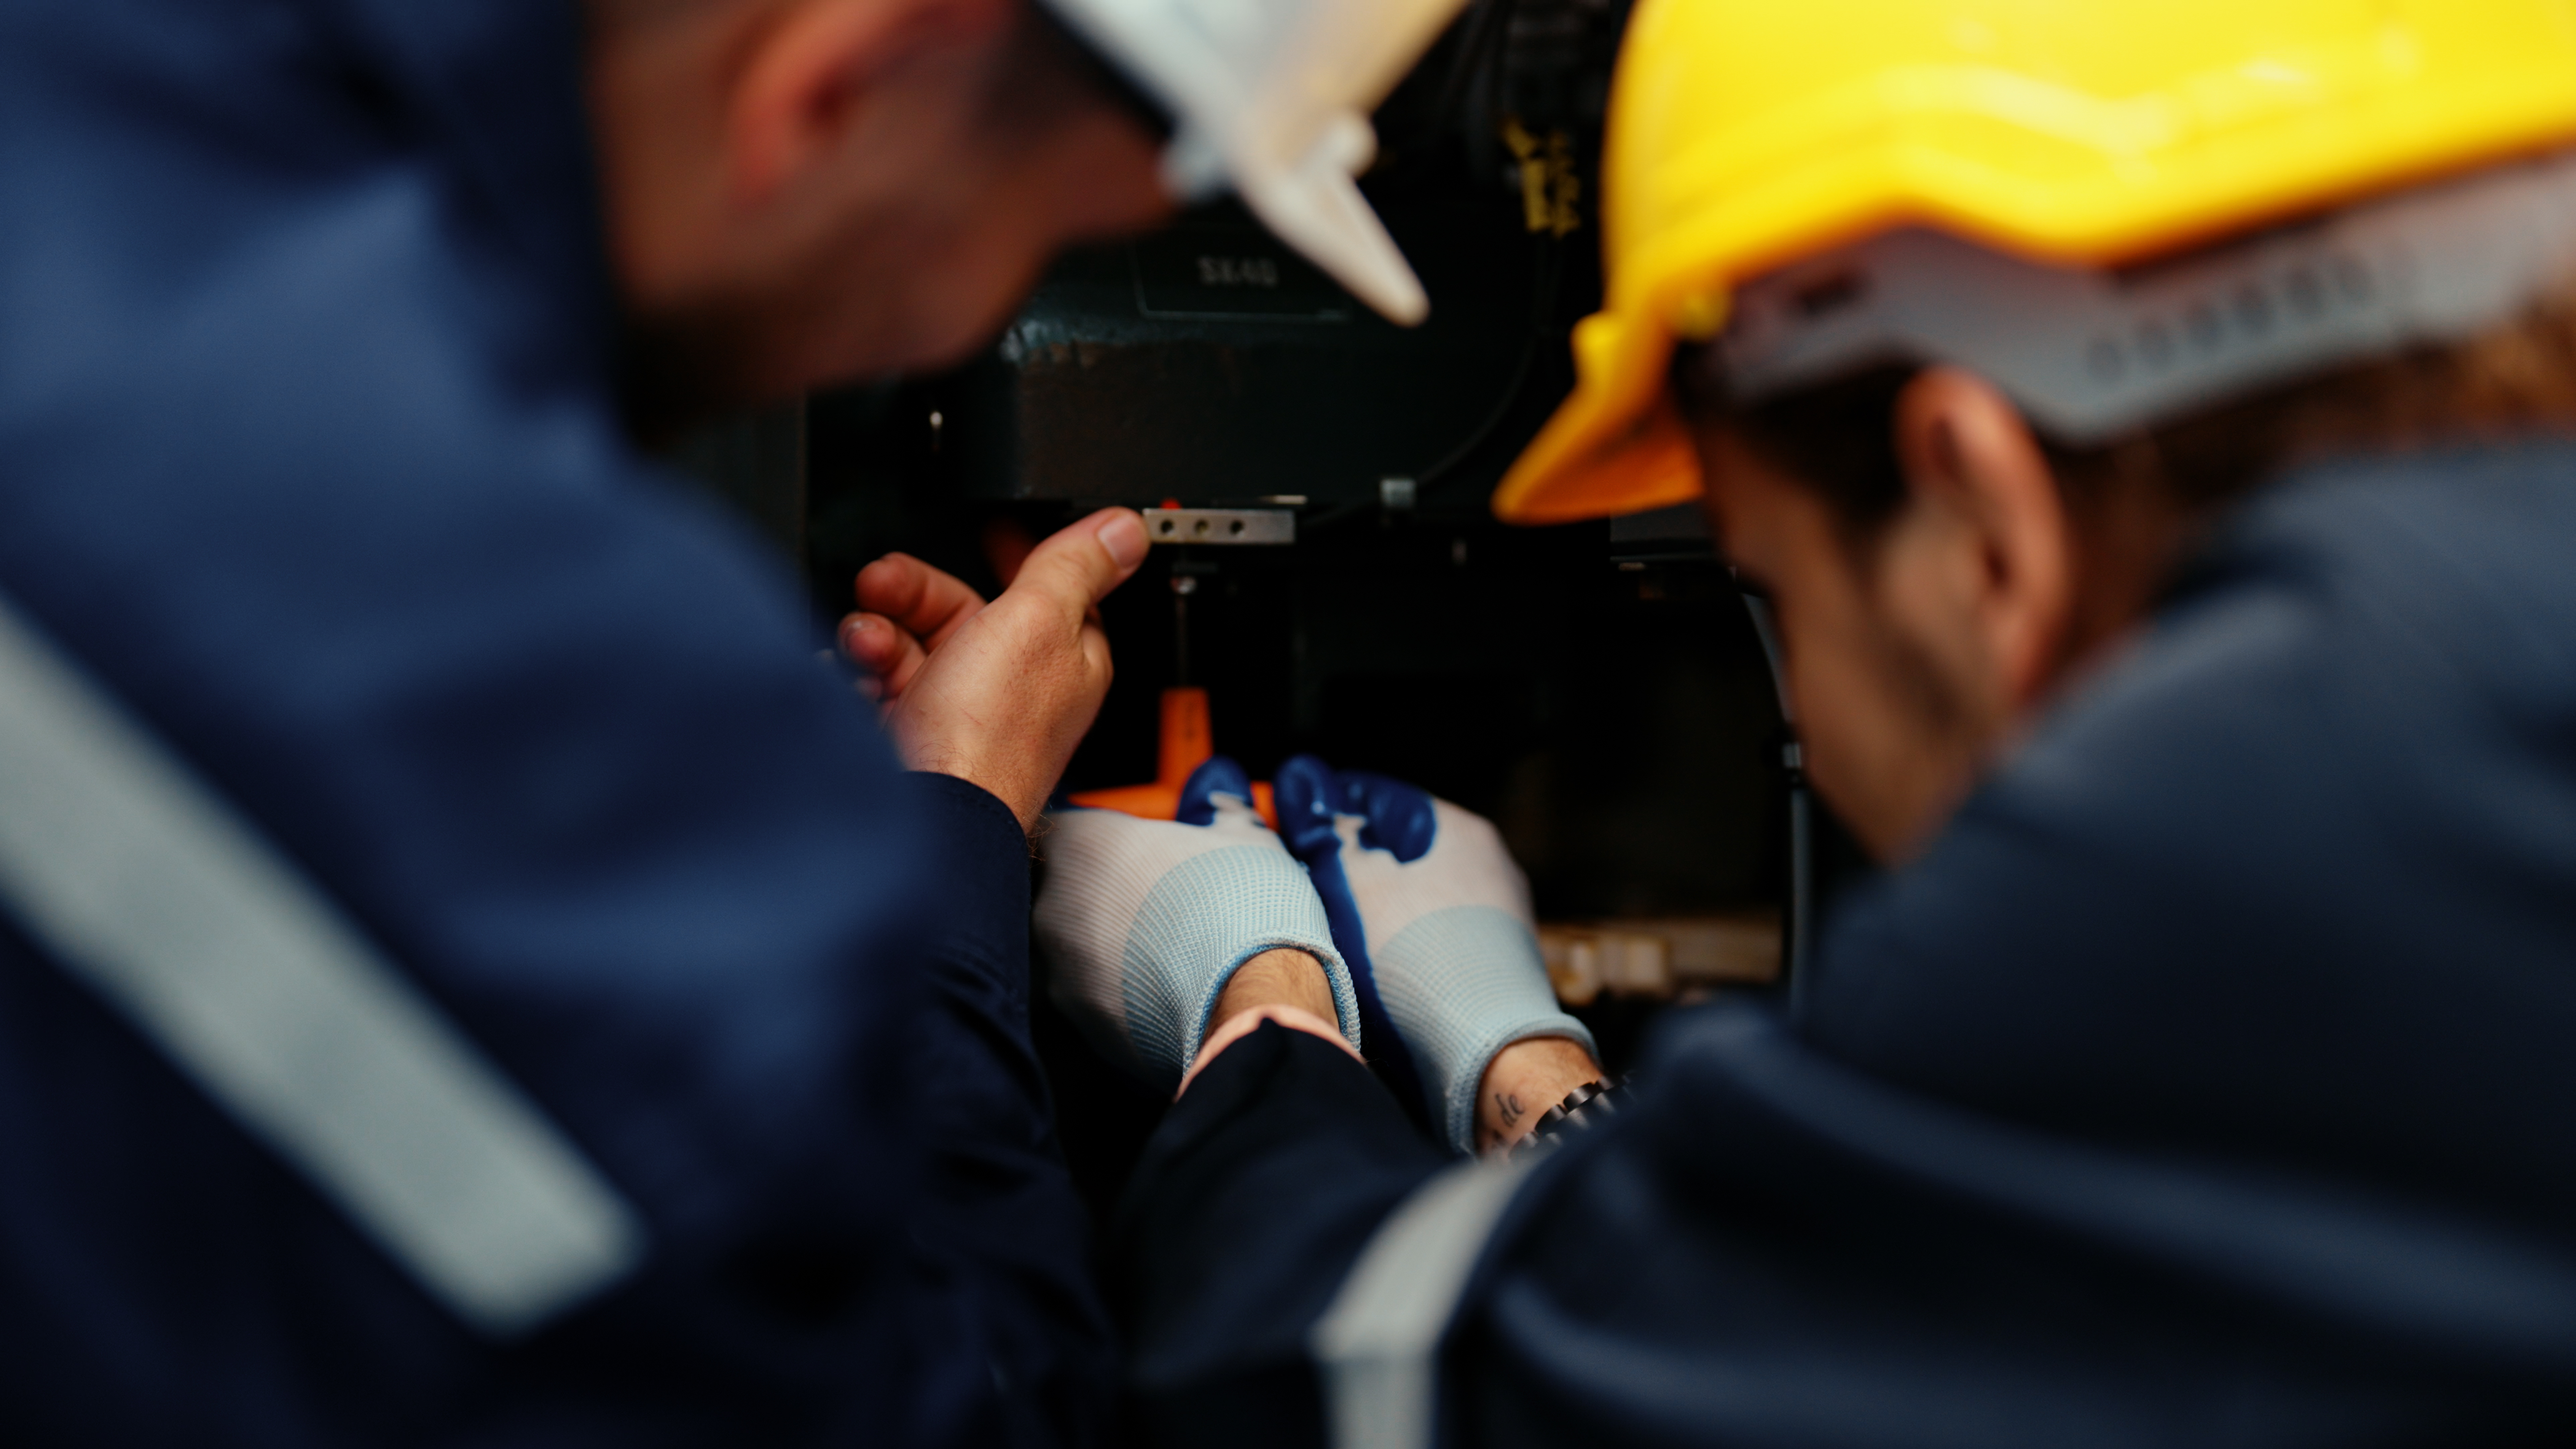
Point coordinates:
pixel 1221 525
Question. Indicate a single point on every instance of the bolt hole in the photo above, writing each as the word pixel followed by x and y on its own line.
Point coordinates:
pixel 1235 527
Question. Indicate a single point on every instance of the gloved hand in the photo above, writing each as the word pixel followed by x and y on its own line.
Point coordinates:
pixel 1434 920
pixel 1143 921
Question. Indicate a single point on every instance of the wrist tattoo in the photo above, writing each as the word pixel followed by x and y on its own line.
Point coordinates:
pixel 1584 1109
pixel 1509 1104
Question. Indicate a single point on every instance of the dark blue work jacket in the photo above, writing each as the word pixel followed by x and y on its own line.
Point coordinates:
pixel 309 469
pixel 2210 1080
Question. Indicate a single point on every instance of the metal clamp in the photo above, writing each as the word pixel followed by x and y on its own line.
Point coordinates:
pixel 1221 525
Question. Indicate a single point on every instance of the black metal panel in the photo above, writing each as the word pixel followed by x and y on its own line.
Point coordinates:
pixel 1209 363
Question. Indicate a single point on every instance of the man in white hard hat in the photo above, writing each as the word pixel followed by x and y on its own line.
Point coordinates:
pixel 465 972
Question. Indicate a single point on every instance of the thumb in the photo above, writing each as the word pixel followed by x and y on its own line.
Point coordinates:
pixel 1078 567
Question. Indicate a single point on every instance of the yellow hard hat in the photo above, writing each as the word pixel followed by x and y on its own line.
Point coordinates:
pixel 1745 135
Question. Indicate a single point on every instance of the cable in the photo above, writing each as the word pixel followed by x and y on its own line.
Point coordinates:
pixel 1493 28
pixel 1549 273
pixel 1550 269
pixel 1482 40
pixel 1484 45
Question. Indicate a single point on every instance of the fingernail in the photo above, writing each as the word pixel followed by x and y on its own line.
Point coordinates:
pixel 1123 534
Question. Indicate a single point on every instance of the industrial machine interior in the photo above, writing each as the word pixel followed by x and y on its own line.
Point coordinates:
pixel 1327 577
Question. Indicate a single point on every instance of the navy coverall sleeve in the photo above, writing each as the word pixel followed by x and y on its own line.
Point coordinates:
pixel 309 463
pixel 2204 1084
pixel 1025 1358
pixel 1262 1184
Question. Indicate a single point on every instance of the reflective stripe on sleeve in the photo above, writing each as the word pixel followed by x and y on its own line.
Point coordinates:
pixel 142 882
pixel 1378 1344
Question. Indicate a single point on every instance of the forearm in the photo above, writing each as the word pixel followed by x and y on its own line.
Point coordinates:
pixel 1286 986
pixel 1522 1081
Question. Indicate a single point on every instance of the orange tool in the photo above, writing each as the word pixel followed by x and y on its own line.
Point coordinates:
pixel 1187 743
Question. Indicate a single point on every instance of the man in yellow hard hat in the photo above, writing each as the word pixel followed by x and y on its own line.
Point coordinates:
pixel 2151 425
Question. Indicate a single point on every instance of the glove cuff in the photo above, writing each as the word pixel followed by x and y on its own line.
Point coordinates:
pixel 1346 1001
pixel 1461 984
pixel 1196 926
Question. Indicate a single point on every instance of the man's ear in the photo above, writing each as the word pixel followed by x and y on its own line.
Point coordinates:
pixel 1966 450
pixel 805 76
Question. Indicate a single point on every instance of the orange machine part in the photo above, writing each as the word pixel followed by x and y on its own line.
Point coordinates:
pixel 1187 743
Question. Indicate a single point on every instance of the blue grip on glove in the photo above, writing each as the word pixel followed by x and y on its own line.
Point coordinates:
pixel 1433 917
pixel 1310 795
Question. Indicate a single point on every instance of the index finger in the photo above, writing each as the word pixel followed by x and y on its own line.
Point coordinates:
pixel 921 600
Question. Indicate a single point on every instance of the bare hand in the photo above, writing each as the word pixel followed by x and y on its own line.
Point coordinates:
pixel 996 694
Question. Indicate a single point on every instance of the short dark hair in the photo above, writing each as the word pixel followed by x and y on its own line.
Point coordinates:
pixel 1839 437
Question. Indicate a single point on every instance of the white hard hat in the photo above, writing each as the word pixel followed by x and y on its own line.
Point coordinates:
pixel 1273 95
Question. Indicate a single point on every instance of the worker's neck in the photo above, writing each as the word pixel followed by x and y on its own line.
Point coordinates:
pixel 2130 535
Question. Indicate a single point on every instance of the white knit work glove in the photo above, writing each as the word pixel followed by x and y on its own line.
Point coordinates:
pixel 1434 918
pixel 1143 921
